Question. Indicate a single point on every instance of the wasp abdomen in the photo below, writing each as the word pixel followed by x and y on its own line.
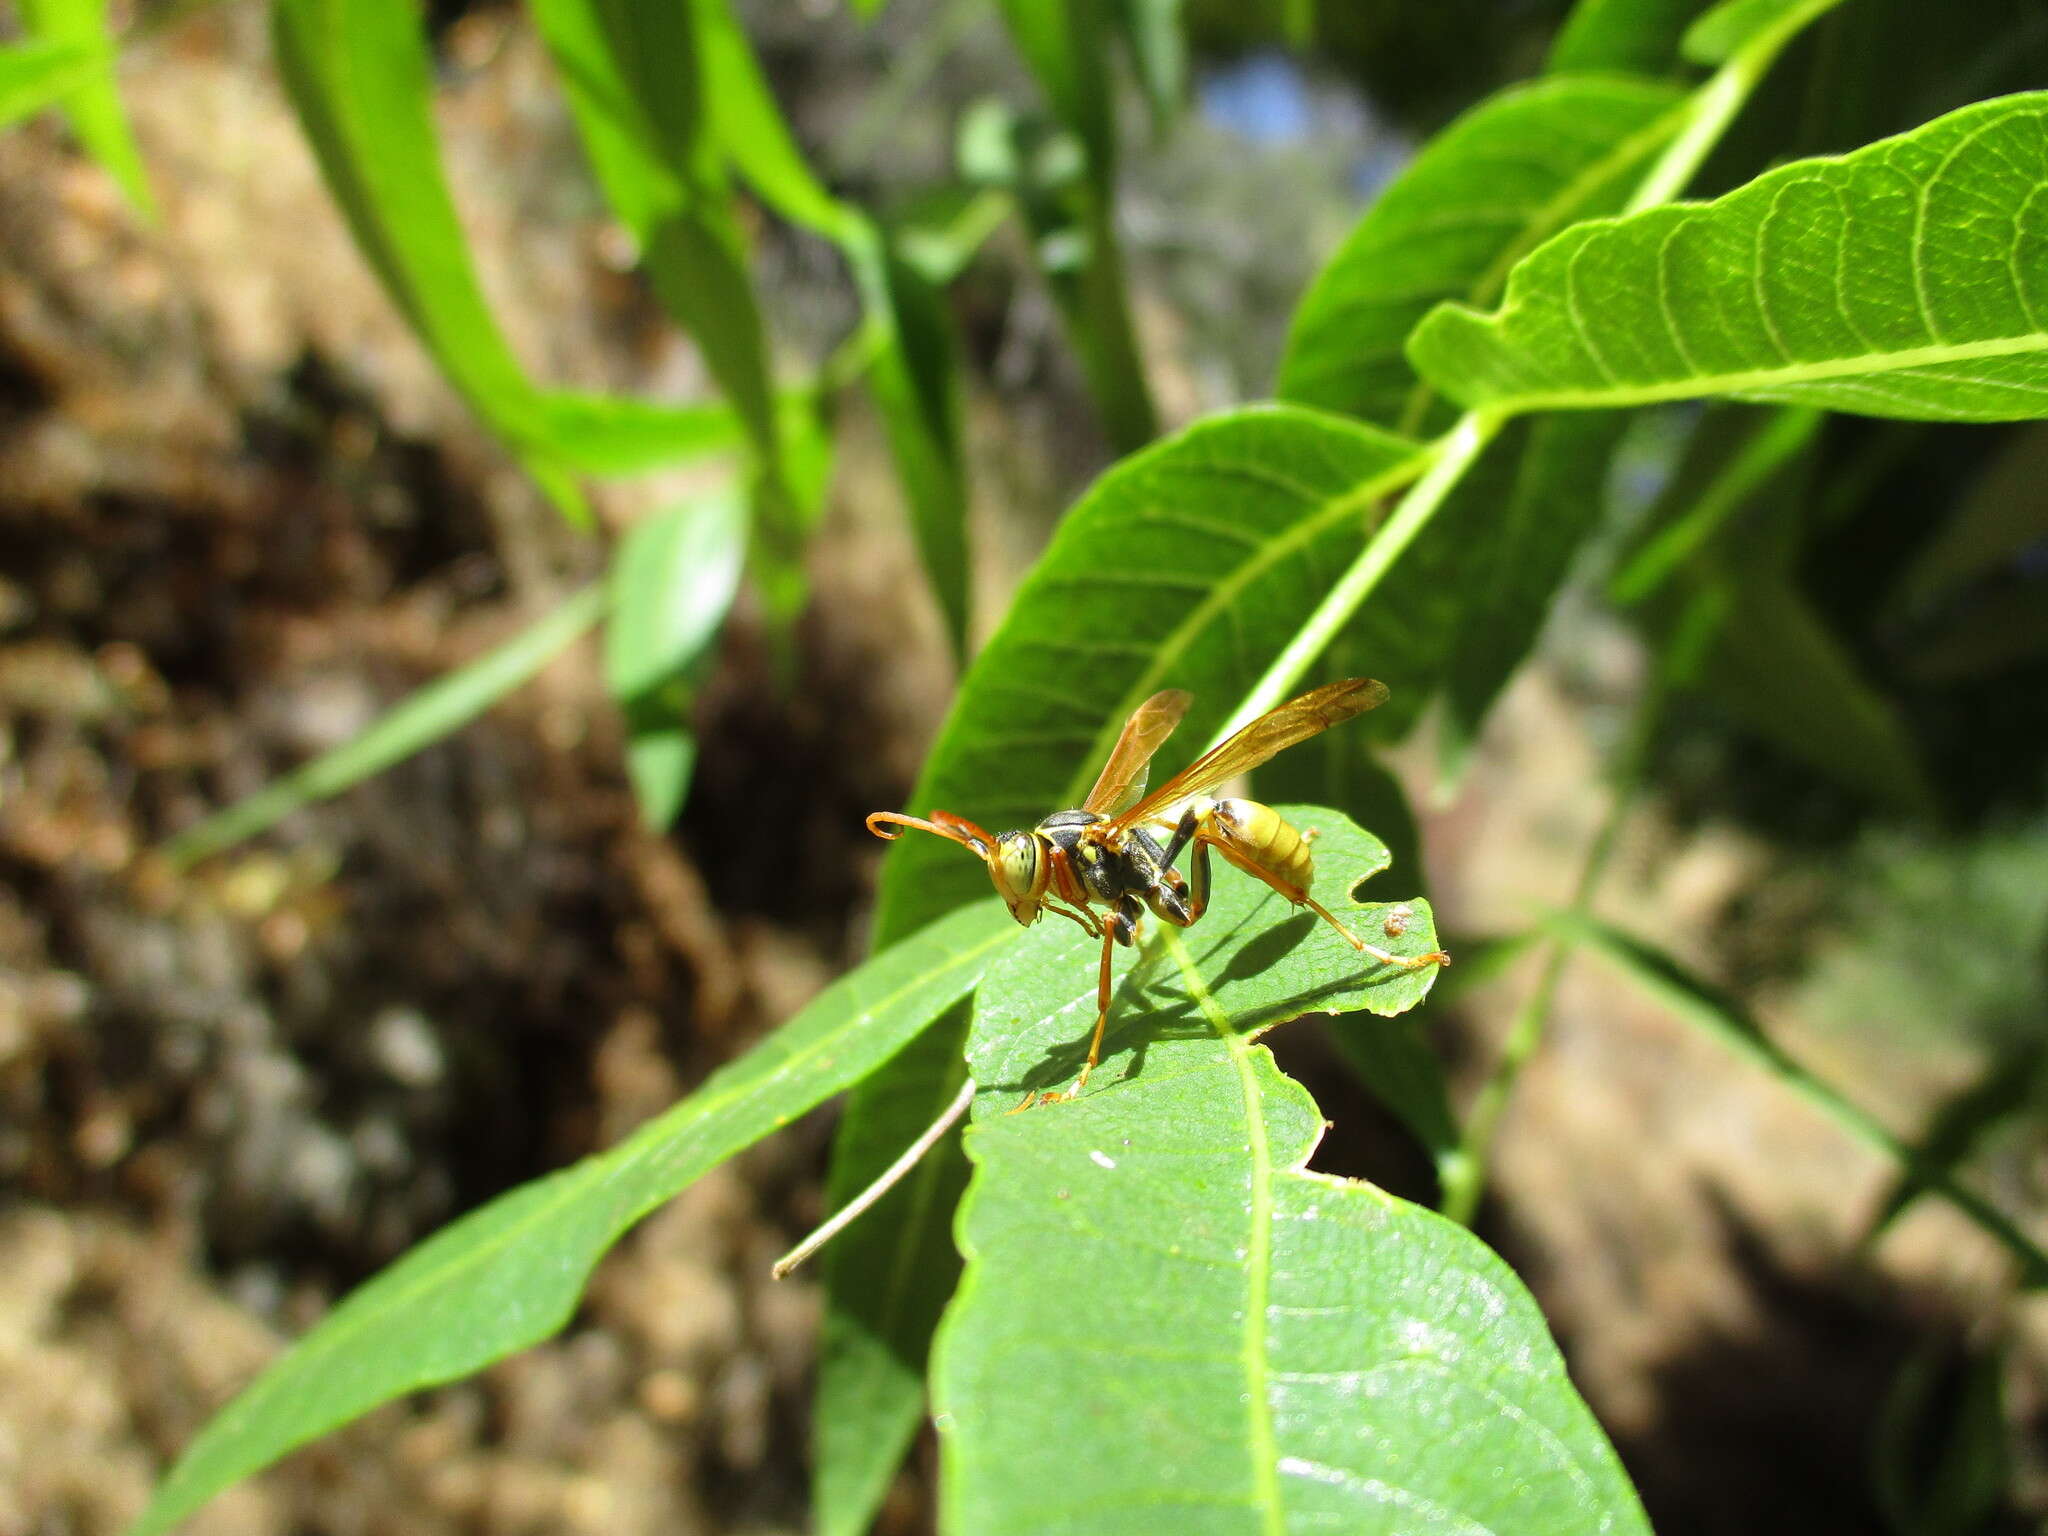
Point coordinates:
pixel 1261 833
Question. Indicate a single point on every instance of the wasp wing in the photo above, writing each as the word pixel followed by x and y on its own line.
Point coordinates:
pixel 1266 737
pixel 1122 778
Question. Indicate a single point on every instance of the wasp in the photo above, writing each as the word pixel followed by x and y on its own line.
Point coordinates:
pixel 1118 849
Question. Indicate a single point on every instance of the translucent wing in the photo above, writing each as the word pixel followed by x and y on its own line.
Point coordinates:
pixel 1122 778
pixel 1272 733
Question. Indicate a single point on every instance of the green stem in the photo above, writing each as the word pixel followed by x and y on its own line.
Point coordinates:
pixel 1715 104
pixel 1453 454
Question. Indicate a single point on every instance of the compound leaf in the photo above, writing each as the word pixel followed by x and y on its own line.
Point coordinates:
pixel 1908 279
pixel 508 1275
pixel 1493 186
pixel 1168 1324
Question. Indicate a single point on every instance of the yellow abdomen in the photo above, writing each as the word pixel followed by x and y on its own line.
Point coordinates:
pixel 1259 832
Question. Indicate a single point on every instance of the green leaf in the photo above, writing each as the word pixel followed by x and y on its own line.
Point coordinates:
pixel 1710 490
pixel 1064 43
pixel 635 78
pixel 508 1275
pixel 1151 30
pixel 1942 1461
pixel 1210 546
pixel 1506 176
pixel 671 583
pixel 360 78
pixel 1727 28
pixel 888 1277
pixel 1188 565
pixel 751 129
pixel 33 75
pixel 914 381
pixel 1168 1324
pixel 424 717
pixel 1712 1010
pixel 1778 667
pixel 2003 514
pixel 610 436
pixel 1907 279
pixel 1637 37
pixel 94 103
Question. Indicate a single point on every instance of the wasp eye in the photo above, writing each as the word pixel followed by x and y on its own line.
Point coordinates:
pixel 1019 872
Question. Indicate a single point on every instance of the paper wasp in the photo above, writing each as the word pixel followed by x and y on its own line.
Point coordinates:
pixel 1109 852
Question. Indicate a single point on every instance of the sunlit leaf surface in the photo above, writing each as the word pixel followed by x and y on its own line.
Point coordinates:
pixel 1907 279
pixel 1168 1325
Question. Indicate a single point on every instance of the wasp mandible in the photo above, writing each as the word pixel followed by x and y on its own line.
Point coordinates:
pixel 1110 851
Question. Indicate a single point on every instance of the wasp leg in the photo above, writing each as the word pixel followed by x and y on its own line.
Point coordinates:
pixel 1120 927
pixel 1090 923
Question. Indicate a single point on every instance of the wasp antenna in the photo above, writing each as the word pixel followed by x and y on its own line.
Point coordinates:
pixel 850 1212
pixel 955 829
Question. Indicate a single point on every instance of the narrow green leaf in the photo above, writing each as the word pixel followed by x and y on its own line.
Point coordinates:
pixel 360 78
pixel 1776 665
pixel 508 1275
pixel 1636 37
pixel 93 104
pixel 1505 177
pixel 34 75
pixel 888 1276
pixel 1907 279
pixel 2009 1086
pixel 1999 517
pixel 1727 28
pixel 1188 565
pixel 752 131
pixel 1941 1460
pixel 424 717
pixel 914 381
pixel 636 82
pixel 671 583
pixel 1064 43
pixel 1159 54
pixel 1168 1324
pixel 1684 526
pixel 1065 185
pixel 1709 1008
pixel 611 435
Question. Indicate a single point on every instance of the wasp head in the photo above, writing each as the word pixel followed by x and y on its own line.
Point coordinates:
pixel 1021 869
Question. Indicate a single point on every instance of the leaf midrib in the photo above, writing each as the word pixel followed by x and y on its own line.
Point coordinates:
pixel 1873 364
pixel 1264 1448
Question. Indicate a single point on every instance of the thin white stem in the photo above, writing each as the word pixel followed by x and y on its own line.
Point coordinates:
pixel 850 1212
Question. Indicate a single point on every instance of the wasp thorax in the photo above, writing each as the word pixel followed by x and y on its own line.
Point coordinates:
pixel 1021 870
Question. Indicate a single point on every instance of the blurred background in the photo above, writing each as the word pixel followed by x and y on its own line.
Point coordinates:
pixel 241 515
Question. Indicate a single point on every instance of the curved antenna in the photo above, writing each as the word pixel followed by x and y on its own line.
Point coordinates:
pixel 955 829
